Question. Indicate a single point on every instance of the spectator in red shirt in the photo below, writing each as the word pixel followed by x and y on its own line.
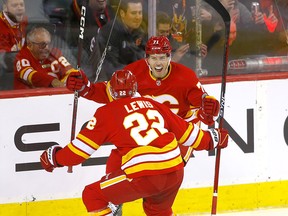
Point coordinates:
pixel 38 64
pixel 13 24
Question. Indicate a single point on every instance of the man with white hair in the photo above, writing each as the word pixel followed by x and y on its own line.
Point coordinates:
pixel 39 64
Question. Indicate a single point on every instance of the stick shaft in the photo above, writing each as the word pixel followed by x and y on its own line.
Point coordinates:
pixel 226 18
pixel 79 56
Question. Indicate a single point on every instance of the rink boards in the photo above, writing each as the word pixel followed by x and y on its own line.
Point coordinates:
pixel 253 171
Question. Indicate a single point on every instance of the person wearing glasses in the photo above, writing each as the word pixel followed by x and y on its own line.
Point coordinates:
pixel 38 64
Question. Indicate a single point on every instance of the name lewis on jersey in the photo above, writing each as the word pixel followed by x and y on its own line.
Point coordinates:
pixel 136 105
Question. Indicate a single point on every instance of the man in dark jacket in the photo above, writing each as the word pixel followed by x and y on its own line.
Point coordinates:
pixel 126 39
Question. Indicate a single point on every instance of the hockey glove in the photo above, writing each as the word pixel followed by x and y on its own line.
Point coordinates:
pixel 78 81
pixel 210 105
pixel 219 138
pixel 48 158
pixel 209 111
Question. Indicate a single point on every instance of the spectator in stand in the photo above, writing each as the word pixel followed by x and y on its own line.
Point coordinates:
pixel 39 65
pixel 148 135
pixel 181 17
pixel 251 34
pixel 272 14
pixel 127 41
pixel 98 13
pixel 13 24
pixel 266 13
pixel 181 52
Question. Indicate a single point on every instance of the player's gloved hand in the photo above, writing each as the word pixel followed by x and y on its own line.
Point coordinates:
pixel 210 105
pixel 209 111
pixel 78 81
pixel 48 160
pixel 219 138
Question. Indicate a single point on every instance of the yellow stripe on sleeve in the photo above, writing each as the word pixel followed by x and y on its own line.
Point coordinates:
pixel 108 92
pixel 30 77
pixel 88 141
pixel 198 140
pixel 186 134
pixel 76 151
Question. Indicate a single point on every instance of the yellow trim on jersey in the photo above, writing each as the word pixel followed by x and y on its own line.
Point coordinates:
pixel 88 141
pixel 76 151
pixel 198 140
pixel 188 114
pixel 108 92
pixel 29 77
pixel 112 181
pixel 148 150
pixel 153 166
pixel 188 154
pixel 186 134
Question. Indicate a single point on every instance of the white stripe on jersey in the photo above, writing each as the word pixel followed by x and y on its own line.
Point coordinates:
pixel 193 136
pixel 152 157
pixel 26 74
pixel 83 146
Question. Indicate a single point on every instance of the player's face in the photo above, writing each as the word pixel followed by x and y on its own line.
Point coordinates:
pixel 132 18
pixel 163 29
pixel 16 8
pixel 159 64
pixel 40 46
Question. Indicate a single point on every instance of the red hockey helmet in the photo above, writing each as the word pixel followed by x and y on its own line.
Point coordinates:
pixel 158 45
pixel 123 84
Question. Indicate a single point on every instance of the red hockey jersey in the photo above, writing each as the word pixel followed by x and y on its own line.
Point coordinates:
pixel 11 34
pixel 31 73
pixel 180 90
pixel 145 132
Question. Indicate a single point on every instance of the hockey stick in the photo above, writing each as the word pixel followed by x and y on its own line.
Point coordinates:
pixel 226 18
pixel 100 63
pixel 79 55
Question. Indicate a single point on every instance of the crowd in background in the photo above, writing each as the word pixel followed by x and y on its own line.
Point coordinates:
pixel 115 35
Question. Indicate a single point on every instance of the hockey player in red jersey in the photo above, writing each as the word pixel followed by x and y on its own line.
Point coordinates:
pixel 13 24
pixel 39 65
pixel 167 82
pixel 147 135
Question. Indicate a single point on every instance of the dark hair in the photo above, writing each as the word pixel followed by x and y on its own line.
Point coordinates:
pixel 162 18
pixel 124 4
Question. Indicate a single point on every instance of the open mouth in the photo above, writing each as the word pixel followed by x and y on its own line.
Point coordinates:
pixel 158 69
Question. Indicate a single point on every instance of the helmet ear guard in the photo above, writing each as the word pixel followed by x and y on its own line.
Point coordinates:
pixel 123 84
pixel 158 45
